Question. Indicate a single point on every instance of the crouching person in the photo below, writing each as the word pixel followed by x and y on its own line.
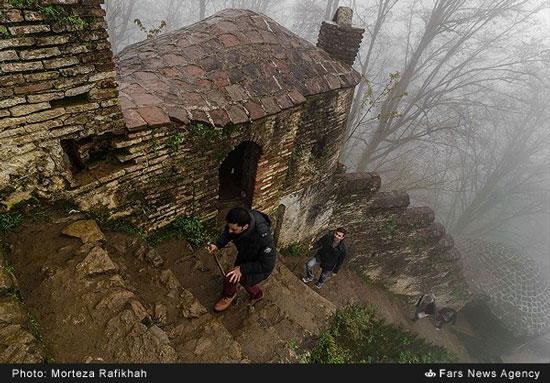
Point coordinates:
pixel 425 306
pixel 250 231
pixel 444 316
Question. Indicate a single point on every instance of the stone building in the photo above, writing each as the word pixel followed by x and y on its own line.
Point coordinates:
pixel 234 109
pixel 234 106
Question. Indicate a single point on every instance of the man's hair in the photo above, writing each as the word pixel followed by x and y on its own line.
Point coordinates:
pixel 341 230
pixel 239 216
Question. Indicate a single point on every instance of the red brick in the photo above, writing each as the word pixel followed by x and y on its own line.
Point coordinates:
pixel 154 116
pixel 133 120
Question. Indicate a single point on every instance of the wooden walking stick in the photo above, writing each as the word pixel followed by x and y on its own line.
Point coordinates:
pixel 219 264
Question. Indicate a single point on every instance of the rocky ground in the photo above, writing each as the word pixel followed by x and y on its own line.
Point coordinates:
pixel 109 297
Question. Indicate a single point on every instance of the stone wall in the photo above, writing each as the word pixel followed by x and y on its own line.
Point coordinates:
pixel 389 243
pixel 64 135
pixel 396 245
pixel 57 86
pixel 175 167
pixel 319 139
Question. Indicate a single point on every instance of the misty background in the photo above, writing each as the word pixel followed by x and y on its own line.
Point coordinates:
pixel 453 106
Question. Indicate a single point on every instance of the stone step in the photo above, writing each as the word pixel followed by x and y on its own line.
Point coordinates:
pixel 112 300
pixel 196 335
pixel 198 273
pixel 290 315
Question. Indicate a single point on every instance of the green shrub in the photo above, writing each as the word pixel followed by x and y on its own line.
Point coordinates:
pixel 193 230
pixel 293 250
pixel 9 221
pixel 357 335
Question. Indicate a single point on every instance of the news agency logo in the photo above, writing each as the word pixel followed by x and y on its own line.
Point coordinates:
pixel 430 374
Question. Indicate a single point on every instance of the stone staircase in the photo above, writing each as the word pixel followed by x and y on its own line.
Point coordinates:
pixel 289 317
pixel 111 298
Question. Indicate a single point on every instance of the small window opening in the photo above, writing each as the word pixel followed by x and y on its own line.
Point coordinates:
pixel 92 158
pixel 70 101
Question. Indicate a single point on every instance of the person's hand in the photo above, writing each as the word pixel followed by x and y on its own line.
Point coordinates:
pixel 333 273
pixel 234 275
pixel 211 248
pixel 310 247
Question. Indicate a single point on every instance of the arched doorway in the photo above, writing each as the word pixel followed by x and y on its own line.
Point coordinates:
pixel 238 174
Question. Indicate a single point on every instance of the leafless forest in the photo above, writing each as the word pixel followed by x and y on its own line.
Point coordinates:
pixel 453 106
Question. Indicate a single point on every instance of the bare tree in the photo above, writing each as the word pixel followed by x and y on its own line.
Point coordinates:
pixel 202 9
pixel 120 16
pixel 457 55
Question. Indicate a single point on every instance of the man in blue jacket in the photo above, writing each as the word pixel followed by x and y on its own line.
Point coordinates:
pixel 331 254
pixel 250 231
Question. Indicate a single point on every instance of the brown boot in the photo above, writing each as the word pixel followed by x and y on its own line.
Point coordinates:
pixel 223 303
pixel 253 301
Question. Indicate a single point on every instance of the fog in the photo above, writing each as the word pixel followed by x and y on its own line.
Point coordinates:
pixel 453 107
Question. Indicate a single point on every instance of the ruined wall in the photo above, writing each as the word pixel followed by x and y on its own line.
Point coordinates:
pixel 176 166
pixel 57 86
pixel 319 139
pixel 390 243
pixel 396 245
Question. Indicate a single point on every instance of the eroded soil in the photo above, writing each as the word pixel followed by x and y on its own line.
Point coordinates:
pixel 117 299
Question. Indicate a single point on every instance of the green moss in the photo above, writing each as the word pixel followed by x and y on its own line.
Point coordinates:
pixel 23 4
pixel 357 335
pixel 4 33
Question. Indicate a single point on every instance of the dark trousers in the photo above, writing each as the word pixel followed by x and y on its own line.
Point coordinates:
pixel 230 289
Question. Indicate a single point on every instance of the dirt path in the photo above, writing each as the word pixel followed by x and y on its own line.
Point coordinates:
pixel 348 288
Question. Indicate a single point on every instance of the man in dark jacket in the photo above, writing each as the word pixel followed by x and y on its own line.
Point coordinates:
pixel 331 254
pixel 444 316
pixel 250 231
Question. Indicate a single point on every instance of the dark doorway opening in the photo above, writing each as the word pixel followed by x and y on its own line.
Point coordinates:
pixel 238 174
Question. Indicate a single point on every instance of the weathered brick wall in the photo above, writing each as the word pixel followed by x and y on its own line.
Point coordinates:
pixel 389 242
pixel 319 139
pixel 306 213
pixel 339 38
pixel 176 170
pixel 397 245
pixel 167 182
pixel 57 82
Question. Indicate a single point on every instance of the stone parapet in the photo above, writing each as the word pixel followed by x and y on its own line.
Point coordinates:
pixel 361 181
pixel 391 199
pixel 417 216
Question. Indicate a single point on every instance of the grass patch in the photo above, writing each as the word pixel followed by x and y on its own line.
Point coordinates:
pixel 35 328
pixel 391 227
pixel 192 229
pixel 293 250
pixel 357 335
pixel 9 221
pixel 122 226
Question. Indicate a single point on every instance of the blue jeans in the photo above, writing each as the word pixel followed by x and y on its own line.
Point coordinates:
pixel 316 260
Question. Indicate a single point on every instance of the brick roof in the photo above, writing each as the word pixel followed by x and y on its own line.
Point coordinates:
pixel 235 66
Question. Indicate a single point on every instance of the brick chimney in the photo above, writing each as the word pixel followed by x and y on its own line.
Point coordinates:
pixel 339 38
